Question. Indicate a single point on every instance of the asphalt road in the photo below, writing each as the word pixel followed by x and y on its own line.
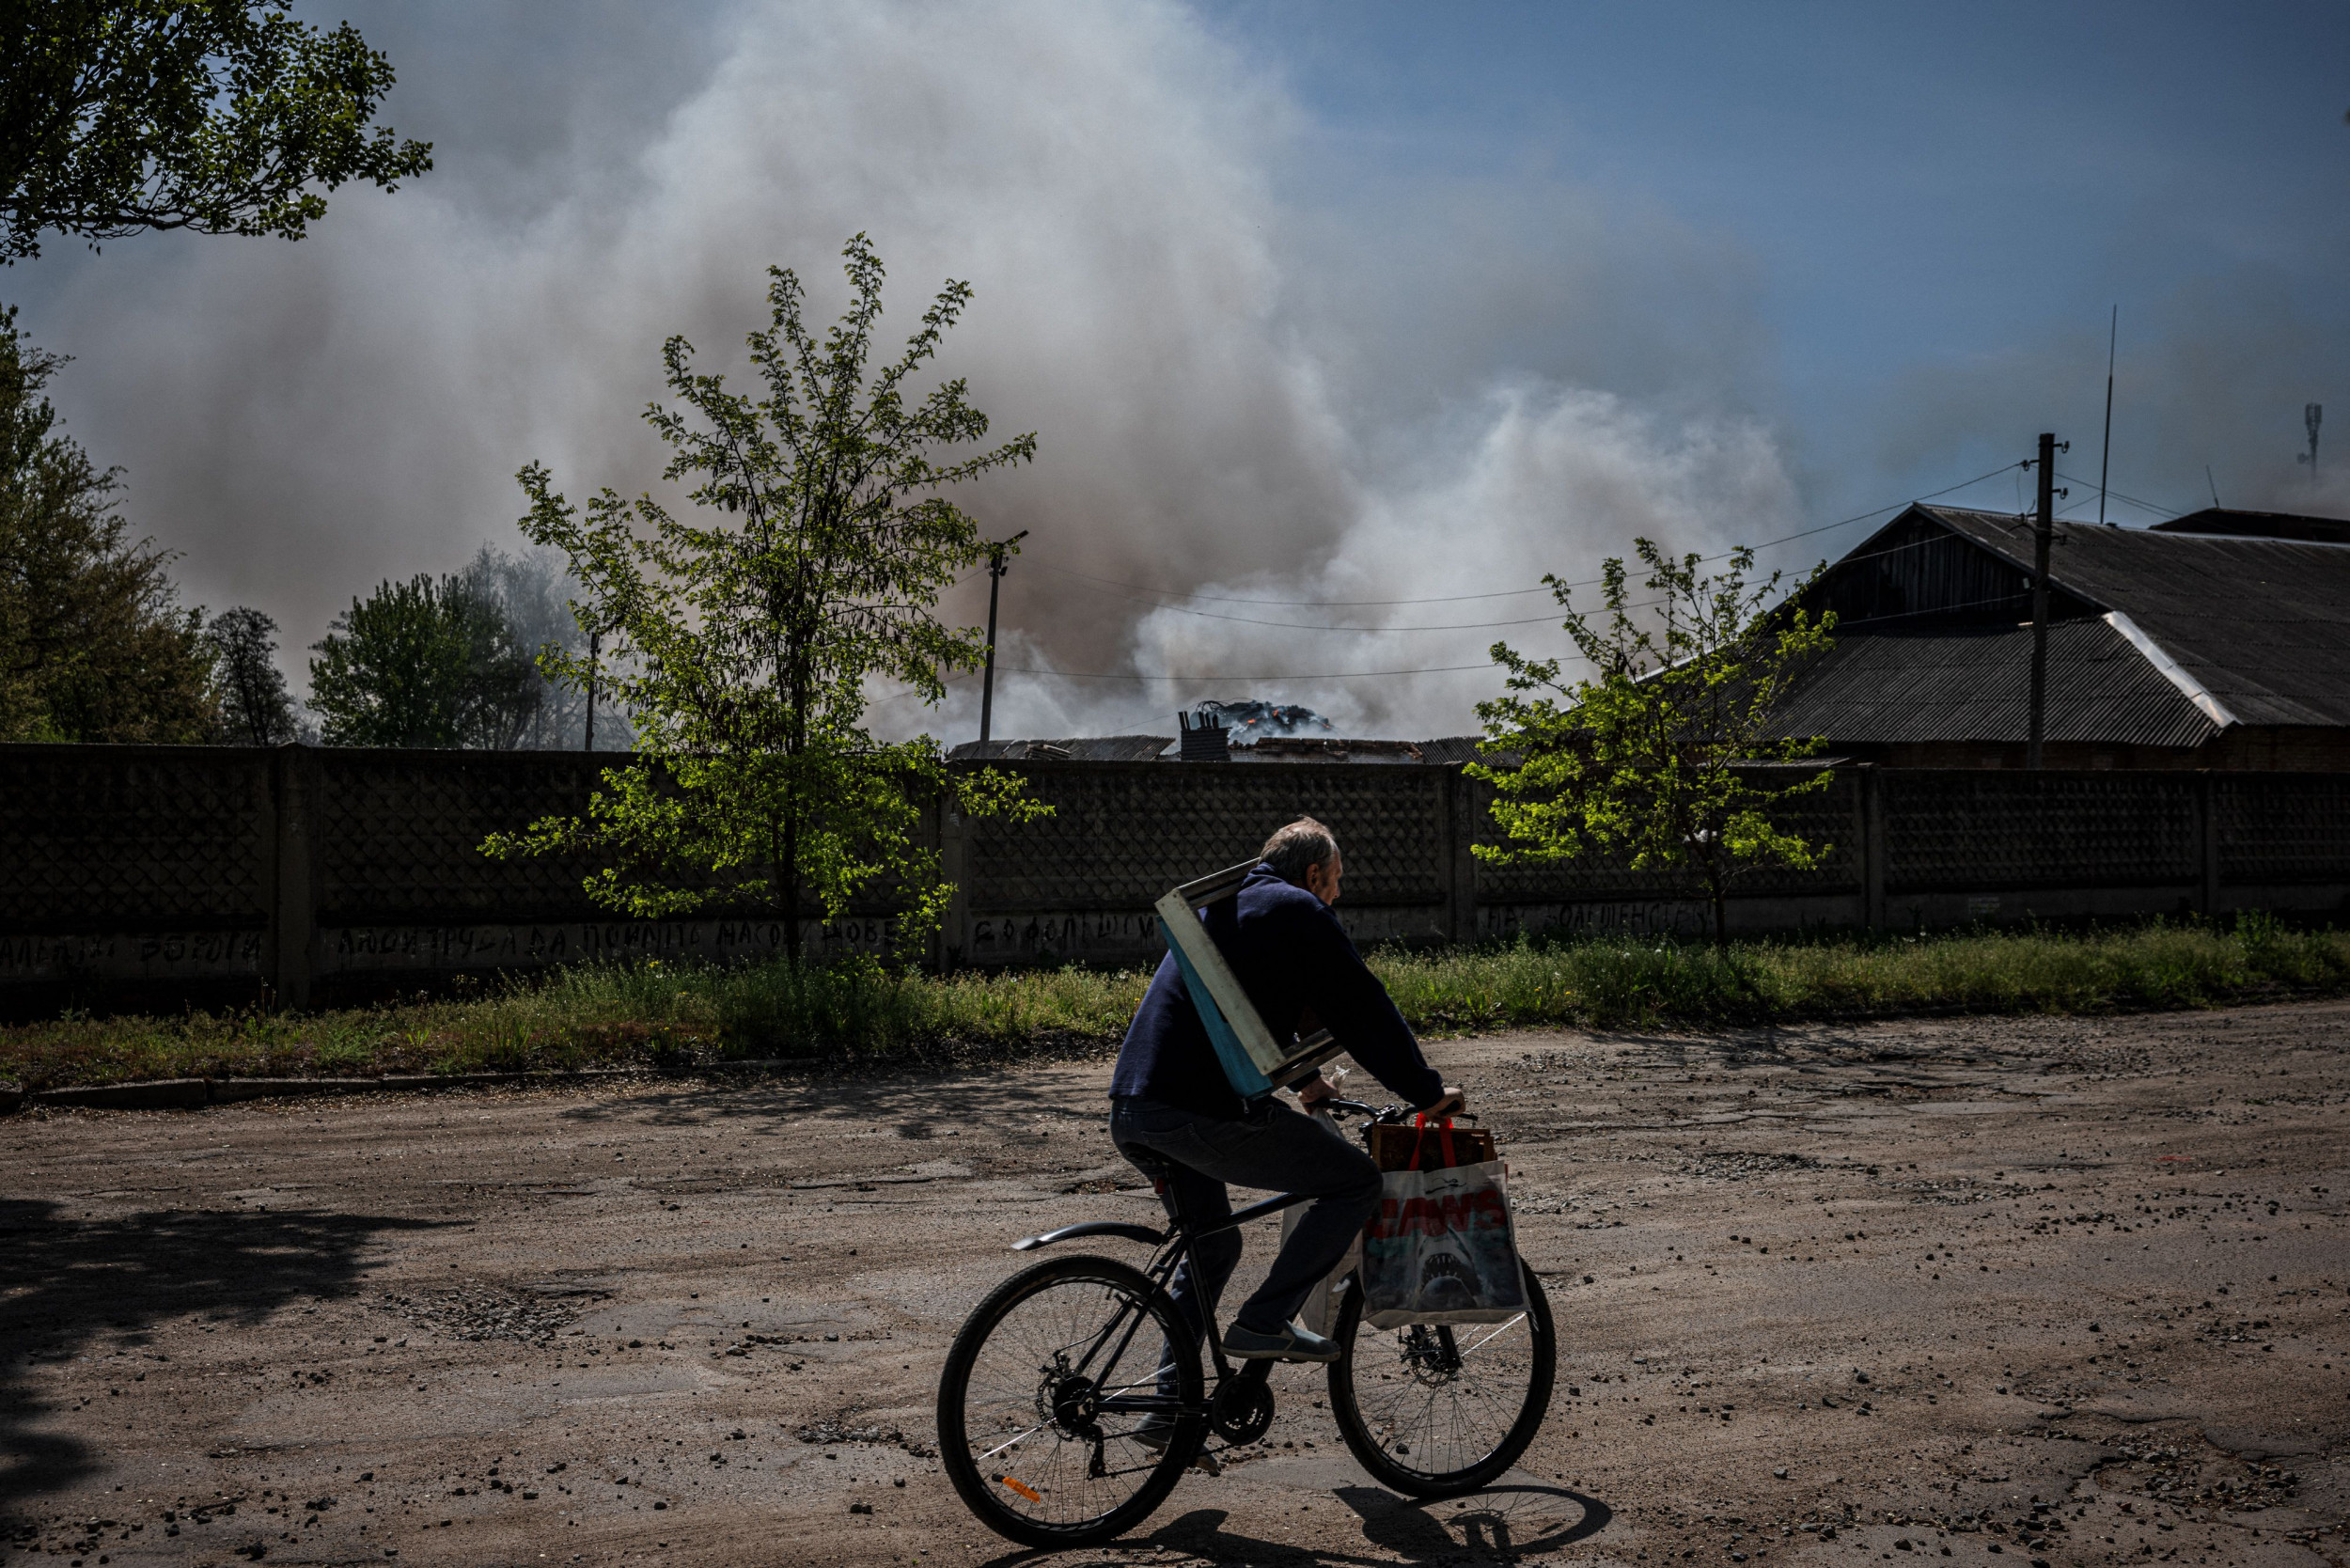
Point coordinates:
pixel 2007 1292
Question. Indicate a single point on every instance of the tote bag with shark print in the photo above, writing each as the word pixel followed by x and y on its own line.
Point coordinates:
pixel 1440 1248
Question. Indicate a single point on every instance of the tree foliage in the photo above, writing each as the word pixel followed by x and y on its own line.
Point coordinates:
pixel 751 631
pixel 217 116
pixel 1662 756
pixel 533 590
pixel 93 644
pixel 424 663
pixel 253 707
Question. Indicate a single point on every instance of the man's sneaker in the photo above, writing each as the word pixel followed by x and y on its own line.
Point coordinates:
pixel 1291 1343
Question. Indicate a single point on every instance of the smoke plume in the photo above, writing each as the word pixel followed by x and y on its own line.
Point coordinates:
pixel 1240 392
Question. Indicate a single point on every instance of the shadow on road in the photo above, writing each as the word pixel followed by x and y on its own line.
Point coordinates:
pixel 69 1287
pixel 1499 1523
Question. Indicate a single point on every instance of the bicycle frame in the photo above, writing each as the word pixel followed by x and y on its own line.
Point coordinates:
pixel 1177 1245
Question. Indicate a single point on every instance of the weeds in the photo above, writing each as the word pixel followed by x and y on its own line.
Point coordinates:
pixel 660 1016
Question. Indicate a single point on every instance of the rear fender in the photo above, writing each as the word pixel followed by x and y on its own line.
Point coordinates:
pixel 1142 1234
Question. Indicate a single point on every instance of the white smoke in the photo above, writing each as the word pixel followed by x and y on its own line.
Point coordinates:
pixel 304 420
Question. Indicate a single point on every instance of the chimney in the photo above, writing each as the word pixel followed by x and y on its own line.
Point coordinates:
pixel 1203 740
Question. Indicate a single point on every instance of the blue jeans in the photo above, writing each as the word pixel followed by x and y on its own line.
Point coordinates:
pixel 1278 1150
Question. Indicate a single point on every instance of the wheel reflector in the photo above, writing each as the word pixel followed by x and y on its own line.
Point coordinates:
pixel 1028 1492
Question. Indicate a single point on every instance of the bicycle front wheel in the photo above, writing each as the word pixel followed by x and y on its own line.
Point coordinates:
pixel 1052 1422
pixel 1437 1409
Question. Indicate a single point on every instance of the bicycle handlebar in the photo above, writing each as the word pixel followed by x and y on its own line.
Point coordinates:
pixel 1376 1113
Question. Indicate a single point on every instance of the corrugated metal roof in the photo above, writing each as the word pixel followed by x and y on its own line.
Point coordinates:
pixel 1078 749
pixel 2259 524
pixel 1975 684
pixel 1320 748
pixel 1143 748
pixel 1452 748
pixel 2263 624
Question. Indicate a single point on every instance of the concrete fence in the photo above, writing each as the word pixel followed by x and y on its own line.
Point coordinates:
pixel 136 876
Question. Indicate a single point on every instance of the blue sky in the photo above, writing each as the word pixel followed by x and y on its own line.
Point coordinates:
pixel 1306 303
pixel 1913 187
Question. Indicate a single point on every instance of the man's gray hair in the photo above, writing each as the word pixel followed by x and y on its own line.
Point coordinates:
pixel 1302 844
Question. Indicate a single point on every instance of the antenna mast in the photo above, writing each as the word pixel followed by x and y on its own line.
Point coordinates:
pixel 2311 416
pixel 2104 464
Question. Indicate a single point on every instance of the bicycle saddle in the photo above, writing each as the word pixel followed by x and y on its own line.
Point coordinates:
pixel 1149 1162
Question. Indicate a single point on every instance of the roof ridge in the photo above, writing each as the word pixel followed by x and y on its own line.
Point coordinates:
pixel 2170 669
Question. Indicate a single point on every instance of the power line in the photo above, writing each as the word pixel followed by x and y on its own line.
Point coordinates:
pixel 1879 511
pixel 1435 669
pixel 2149 506
pixel 2090 500
pixel 1348 675
pixel 913 692
pixel 2013 594
pixel 1289 603
pixel 1326 675
pixel 1305 626
pixel 1462 597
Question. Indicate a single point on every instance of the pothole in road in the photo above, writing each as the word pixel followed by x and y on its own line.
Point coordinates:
pixel 843 1429
pixel 527 1316
pixel 1724 1167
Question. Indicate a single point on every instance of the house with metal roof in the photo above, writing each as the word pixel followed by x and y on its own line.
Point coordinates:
pixel 2219 640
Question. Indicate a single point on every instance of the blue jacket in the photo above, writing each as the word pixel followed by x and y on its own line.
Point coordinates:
pixel 1290 953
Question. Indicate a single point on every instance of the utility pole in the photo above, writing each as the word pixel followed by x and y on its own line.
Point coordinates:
pixel 595 639
pixel 995 584
pixel 2043 537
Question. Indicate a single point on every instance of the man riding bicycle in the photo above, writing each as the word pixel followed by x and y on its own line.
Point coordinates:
pixel 1169 1097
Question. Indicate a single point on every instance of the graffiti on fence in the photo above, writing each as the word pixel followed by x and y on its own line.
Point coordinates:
pixel 133 955
pixel 350 949
pixel 1629 916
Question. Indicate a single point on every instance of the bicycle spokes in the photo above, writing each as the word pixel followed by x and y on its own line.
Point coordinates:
pixel 1061 1401
pixel 1433 1408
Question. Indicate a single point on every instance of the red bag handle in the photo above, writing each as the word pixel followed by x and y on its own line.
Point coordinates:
pixel 1444 1136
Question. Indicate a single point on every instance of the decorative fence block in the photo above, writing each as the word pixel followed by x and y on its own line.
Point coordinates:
pixel 163 875
pixel 1824 818
pixel 2013 830
pixel 402 831
pixel 1124 833
pixel 170 834
pixel 2269 834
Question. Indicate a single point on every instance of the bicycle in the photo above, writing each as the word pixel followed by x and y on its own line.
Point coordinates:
pixel 1057 1430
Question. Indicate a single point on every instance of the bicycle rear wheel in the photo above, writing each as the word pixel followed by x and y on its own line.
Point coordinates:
pixel 1435 1410
pixel 1046 1396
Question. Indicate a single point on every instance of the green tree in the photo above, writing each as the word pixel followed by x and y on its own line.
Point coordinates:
pixel 534 591
pixel 254 706
pixel 1660 757
pixel 218 115
pixel 423 664
pixel 93 643
pixel 749 637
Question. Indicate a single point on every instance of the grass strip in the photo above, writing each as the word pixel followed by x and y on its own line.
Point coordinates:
pixel 663 1016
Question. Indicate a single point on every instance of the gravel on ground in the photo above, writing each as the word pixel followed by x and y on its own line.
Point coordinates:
pixel 2015 1293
